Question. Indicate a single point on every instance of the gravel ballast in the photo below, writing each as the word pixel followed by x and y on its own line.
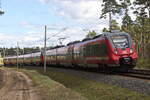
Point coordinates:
pixel 134 84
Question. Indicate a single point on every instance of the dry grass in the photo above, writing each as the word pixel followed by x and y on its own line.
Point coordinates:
pixel 52 90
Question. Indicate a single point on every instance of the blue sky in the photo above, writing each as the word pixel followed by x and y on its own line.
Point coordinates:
pixel 19 12
pixel 24 21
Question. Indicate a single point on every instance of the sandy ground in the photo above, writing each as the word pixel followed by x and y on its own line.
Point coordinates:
pixel 17 86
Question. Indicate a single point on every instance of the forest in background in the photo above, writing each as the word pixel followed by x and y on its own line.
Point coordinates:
pixel 139 29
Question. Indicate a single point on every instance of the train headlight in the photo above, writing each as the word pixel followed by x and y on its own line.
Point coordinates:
pixel 131 50
pixel 115 50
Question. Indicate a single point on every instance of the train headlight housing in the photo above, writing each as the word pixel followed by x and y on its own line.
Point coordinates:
pixel 115 50
pixel 131 50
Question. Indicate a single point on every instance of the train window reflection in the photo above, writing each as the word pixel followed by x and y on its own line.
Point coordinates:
pixel 120 41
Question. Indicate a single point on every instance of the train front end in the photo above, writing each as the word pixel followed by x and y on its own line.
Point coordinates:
pixel 123 51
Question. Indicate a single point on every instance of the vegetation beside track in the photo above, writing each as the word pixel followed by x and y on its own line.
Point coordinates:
pixel 143 63
pixel 1 78
pixel 86 88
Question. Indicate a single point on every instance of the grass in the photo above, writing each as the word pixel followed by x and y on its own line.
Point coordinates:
pixel 86 88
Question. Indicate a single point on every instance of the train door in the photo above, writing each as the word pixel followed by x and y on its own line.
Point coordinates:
pixel 71 54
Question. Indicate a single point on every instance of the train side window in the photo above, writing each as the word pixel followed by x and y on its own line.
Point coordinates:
pixel 94 50
pixel 103 49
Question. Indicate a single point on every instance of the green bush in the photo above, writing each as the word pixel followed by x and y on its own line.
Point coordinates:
pixel 143 63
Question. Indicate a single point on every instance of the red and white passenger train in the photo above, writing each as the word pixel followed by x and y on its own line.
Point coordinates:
pixel 108 49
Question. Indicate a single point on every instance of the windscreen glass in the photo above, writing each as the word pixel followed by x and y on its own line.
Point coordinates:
pixel 120 41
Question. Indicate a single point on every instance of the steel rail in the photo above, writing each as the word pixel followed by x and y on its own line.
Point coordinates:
pixel 137 73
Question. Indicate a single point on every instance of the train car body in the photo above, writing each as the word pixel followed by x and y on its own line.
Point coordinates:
pixel 91 53
pixel 108 49
pixel 36 59
pixel 10 60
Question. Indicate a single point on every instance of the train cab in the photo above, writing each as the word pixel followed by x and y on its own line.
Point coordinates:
pixel 123 50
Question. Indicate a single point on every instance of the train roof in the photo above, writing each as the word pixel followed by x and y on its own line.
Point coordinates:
pixel 10 57
pixel 74 42
pixel 36 54
pixel 106 34
pixel 58 46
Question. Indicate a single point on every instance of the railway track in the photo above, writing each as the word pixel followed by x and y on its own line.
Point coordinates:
pixel 140 71
pixel 137 73
pixel 133 73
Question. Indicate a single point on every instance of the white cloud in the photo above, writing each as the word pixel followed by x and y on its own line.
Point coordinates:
pixel 82 14
pixel 28 25
pixel 30 39
pixel 34 38
pixel 79 10
pixel 44 1
pixel 7 40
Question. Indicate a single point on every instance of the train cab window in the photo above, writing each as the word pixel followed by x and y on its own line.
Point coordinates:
pixel 120 41
pixel 88 50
